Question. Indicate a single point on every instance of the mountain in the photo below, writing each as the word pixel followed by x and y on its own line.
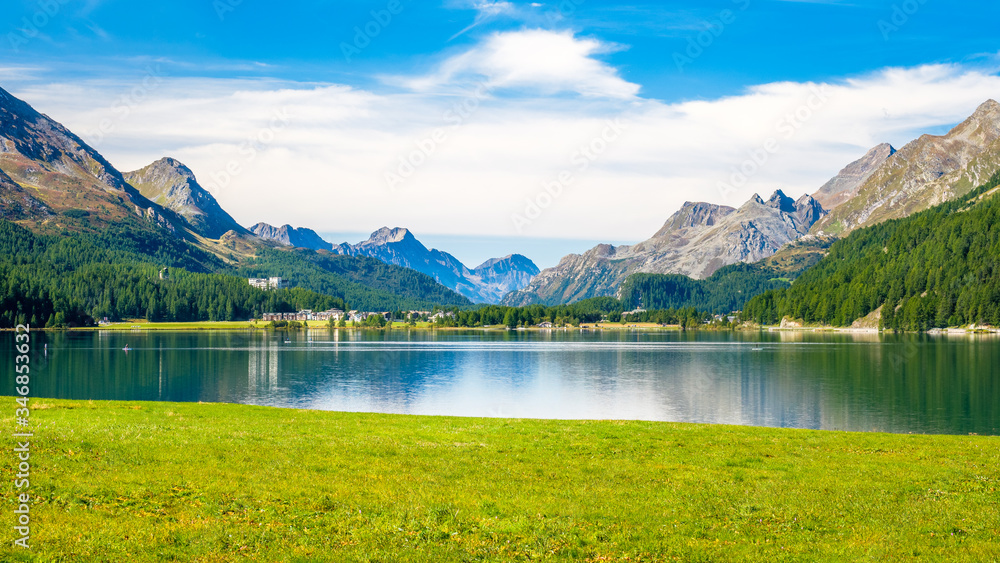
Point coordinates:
pixel 696 241
pixel 937 268
pixel 486 284
pixel 504 275
pixel 69 184
pixel 172 185
pixel 96 225
pixel 845 185
pixel 290 236
pixel 926 172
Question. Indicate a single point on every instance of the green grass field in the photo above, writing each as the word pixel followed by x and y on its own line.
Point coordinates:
pixel 207 325
pixel 198 482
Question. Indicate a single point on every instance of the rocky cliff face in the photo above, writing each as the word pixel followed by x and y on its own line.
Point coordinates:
pixel 173 186
pixel 845 185
pixel 289 236
pixel 696 241
pixel 486 284
pixel 58 173
pixel 924 173
pixel 16 204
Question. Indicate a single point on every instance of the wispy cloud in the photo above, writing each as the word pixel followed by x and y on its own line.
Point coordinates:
pixel 485 11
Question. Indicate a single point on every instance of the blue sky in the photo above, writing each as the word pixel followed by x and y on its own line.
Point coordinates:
pixel 208 81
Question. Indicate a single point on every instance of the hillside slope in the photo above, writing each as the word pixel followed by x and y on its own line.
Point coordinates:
pixel 937 268
pixel 924 173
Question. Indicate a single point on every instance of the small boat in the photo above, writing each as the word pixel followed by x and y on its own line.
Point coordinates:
pixel 756 349
pixel 126 348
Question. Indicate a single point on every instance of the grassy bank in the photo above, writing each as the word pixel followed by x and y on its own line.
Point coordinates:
pixel 189 482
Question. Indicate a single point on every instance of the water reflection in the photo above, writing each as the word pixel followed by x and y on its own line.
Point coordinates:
pixel 933 384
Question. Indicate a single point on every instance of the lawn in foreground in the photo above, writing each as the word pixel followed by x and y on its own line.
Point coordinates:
pixel 198 482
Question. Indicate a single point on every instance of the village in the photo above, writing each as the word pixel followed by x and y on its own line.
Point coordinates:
pixel 337 315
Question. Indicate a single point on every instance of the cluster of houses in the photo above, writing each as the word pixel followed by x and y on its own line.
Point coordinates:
pixel 305 315
pixel 352 316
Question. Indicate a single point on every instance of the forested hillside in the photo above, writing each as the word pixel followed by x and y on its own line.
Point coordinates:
pixel 59 281
pixel 74 279
pixel 725 291
pixel 365 283
pixel 937 268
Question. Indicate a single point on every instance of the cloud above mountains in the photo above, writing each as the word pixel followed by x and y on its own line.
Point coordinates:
pixel 486 130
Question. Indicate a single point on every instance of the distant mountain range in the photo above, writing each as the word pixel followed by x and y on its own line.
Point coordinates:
pixel 53 183
pixel 702 237
pixel 696 241
pixel 487 283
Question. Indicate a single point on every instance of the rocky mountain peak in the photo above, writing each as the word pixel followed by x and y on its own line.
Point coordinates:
pixel 985 122
pixel 290 236
pixel 385 235
pixel 847 182
pixel 508 263
pixel 781 202
pixel 926 172
pixel 989 109
pixel 172 185
pixel 694 214
pixel 171 165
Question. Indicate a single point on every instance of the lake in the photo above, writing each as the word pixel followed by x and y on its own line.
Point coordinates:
pixel 865 382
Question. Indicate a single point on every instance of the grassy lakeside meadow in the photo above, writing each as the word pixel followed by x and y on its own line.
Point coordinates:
pixel 130 481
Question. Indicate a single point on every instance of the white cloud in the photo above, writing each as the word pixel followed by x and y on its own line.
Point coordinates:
pixel 325 168
pixel 548 62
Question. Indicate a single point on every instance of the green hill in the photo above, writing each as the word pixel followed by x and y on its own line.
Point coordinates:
pixel 934 269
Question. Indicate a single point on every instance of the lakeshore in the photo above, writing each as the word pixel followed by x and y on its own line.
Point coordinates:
pixel 142 325
pixel 133 481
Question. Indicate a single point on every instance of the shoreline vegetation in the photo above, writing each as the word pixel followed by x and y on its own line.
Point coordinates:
pixel 143 482
pixel 142 325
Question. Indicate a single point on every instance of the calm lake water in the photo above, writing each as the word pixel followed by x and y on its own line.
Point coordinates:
pixel 868 382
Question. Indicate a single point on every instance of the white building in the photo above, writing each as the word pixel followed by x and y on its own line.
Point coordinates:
pixel 269 283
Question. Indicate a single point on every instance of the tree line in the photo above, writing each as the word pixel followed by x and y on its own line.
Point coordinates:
pixel 727 290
